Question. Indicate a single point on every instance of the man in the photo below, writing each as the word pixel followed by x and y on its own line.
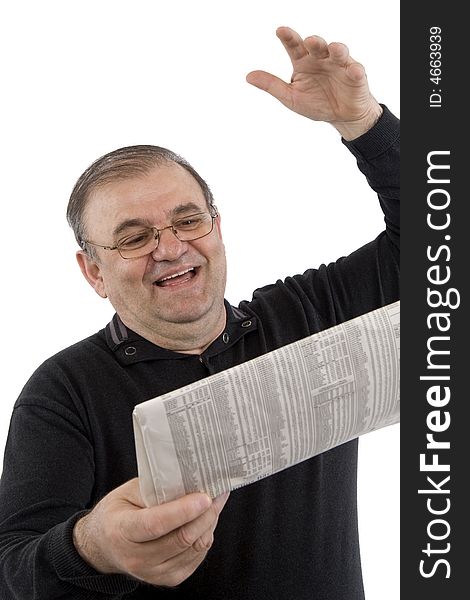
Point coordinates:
pixel 72 522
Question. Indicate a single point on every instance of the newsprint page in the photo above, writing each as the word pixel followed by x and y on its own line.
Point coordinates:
pixel 267 414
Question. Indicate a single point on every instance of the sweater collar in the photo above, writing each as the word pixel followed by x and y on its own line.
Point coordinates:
pixel 130 348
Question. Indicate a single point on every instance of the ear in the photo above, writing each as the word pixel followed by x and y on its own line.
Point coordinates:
pixel 92 272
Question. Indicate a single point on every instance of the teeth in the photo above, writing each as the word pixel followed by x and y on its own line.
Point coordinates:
pixel 177 274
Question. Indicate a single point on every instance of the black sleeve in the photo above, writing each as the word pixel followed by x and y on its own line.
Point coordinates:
pixel 358 283
pixel 46 485
pixel 378 156
pixel 369 277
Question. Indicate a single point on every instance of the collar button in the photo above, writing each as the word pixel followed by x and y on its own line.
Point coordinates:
pixel 246 324
pixel 226 338
pixel 130 351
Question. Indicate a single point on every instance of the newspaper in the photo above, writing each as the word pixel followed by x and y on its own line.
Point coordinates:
pixel 272 412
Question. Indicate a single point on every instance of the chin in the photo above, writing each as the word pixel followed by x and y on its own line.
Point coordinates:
pixel 186 314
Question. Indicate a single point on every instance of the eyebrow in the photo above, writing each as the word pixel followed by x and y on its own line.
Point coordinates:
pixel 184 208
pixel 176 211
pixel 130 223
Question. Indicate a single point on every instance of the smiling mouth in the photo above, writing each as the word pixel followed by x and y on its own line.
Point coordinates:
pixel 177 278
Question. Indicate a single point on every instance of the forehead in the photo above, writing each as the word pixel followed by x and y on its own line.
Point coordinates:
pixel 153 197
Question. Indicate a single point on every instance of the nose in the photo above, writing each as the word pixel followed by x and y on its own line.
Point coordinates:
pixel 169 246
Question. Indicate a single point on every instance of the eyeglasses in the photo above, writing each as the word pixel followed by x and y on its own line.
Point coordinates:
pixel 142 241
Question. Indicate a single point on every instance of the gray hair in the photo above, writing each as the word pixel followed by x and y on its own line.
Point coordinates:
pixel 123 163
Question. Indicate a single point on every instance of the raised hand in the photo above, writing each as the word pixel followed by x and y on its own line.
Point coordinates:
pixel 162 545
pixel 326 84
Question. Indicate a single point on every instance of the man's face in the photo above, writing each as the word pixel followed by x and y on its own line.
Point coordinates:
pixel 179 283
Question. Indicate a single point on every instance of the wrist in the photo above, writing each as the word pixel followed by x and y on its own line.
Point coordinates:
pixel 86 547
pixel 353 129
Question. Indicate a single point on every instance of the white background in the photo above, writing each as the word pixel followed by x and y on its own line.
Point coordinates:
pixel 81 78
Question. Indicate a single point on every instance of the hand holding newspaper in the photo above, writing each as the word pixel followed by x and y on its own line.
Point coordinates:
pixel 272 412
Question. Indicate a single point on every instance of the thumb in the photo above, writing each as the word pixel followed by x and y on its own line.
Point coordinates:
pixel 271 84
pixel 152 523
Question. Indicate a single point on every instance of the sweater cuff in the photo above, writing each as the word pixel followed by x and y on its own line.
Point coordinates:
pixel 71 568
pixel 378 139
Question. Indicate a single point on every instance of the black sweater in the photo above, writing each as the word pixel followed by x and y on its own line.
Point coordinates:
pixel 291 536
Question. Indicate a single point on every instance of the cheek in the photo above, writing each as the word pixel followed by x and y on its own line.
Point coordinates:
pixel 220 264
pixel 211 248
pixel 122 276
pixel 216 254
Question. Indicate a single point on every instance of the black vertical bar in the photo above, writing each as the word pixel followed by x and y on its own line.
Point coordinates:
pixel 435 355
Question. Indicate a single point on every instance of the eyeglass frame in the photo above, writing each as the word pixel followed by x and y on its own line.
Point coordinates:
pixel 213 213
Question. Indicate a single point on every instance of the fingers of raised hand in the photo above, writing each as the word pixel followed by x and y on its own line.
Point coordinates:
pixel 336 52
pixel 316 46
pixel 339 53
pixel 356 72
pixel 292 42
